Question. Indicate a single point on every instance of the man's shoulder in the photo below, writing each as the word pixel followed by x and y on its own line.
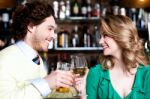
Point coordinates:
pixel 9 51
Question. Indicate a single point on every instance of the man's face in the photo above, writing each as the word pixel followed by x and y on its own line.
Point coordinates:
pixel 43 34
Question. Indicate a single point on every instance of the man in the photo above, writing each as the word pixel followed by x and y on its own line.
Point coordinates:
pixel 22 74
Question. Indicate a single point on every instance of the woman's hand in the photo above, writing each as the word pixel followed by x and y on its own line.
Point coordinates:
pixel 80 84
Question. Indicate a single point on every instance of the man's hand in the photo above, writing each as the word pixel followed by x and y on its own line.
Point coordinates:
pixel 59 78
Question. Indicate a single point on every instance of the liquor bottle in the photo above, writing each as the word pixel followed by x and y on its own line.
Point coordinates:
pixel 89 38
pixel 89 8
pixel 115 9
pixel 67 9
pixel 133 15
pixel 66 58
pixel 58 61
pixel 5 20
pixel 65 61
pixel 75 38
pixel 96 36
pixel 86 37
pixel 123 11
pixel 62 59
pixel 63 39
pixel 96 10
pixel 75 8
pixel 52 63
pixel 84 8
pixel 62 10
pixel 56 8
pixel 1 22
pixel 140 21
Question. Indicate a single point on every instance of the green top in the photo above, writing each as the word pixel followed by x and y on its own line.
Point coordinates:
pixel 99 85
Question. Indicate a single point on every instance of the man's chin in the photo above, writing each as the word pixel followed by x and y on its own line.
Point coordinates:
pixel 43 49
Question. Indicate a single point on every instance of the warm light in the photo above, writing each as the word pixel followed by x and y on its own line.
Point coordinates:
pixel 135 3
pixel 142 0
pixel 7 3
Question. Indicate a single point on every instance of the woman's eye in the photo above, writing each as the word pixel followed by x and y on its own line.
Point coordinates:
pixel 105 35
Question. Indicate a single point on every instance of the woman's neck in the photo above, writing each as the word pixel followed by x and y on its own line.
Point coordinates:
pixel 120 67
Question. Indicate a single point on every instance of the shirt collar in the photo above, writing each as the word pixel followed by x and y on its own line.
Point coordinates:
pixel 26 49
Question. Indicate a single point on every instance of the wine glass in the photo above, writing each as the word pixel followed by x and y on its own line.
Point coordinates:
pixel 79 66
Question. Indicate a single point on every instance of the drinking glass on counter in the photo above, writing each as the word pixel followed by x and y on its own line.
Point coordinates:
pixel 63 66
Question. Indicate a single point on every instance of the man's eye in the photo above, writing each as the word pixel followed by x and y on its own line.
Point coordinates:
pixel 50 29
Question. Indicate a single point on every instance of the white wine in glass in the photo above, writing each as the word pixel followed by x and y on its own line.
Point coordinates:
pixel 79 66
pixel 80 70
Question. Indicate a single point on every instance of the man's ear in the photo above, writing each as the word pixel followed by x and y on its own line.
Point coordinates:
pixel 31 28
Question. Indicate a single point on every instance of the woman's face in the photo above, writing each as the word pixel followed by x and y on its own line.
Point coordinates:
pixel 110 46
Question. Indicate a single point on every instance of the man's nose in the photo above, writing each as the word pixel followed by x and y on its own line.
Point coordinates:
pixel 53 34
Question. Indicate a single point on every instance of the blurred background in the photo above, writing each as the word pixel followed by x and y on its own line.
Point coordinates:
pixel 78 26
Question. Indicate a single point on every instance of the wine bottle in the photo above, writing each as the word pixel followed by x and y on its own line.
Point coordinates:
pixel 75 38
pixel 84 8
pixel 86 37
pixel 89 8
pixel 63 39
pixel 75 8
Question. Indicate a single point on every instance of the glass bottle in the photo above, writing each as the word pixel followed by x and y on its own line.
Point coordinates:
pixel 86 37
pixel 56 8
pixel 96 10
pixel 96 37
pixel 75 8
pixel 89 8
pixel 75 38
pixel 67 9
pixel 63 39
pixel 62 10
pixel 84 8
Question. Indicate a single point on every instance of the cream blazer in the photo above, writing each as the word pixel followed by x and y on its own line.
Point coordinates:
pixel 16 73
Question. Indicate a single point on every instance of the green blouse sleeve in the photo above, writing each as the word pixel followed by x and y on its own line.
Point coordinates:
pixel 92 82
pixel 147 83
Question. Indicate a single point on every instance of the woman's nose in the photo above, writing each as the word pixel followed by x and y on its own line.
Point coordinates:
pixel 101 40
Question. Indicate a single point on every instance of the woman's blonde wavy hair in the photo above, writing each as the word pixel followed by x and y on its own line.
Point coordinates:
pixel 124 32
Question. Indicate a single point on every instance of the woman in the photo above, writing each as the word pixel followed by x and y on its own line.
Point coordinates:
pixel 123 72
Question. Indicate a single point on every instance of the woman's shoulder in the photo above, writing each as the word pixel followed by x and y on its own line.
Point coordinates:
pixel 144 67
pixel 95 73
pixel 96 69
pixel 144 75
pixel 144 70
